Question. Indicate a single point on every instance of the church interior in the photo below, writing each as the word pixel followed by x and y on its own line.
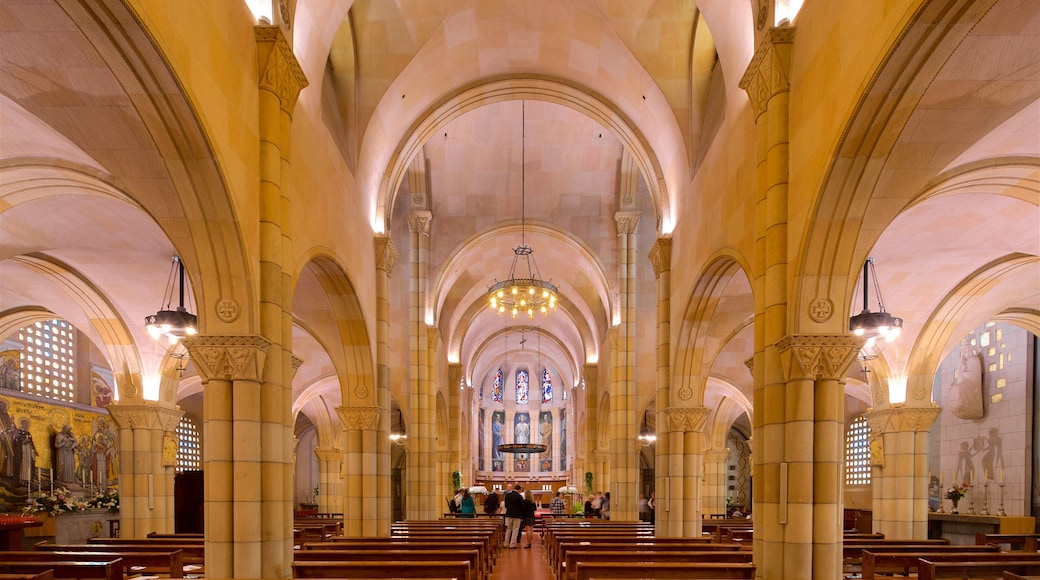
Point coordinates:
pixel 265 258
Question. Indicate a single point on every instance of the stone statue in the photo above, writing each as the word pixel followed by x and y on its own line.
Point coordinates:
pixel 65 446
pixel 966 390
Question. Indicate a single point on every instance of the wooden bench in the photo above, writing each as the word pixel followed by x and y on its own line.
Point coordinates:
pixel 194 553
pixel 668 545
pixel 181 535
pixel 1019 542
pixel 590 570
pixel 399 544
pixel 136 559
pixel 930 570
pixel 576 557
pixel 1013 576
pixel 477 570
pixel 45 575
pixel 106 569
pixel 457 570
pixel 907 561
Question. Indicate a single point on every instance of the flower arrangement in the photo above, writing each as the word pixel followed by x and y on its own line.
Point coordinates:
pixel 56 502
pixel 956 492
pixel 106 499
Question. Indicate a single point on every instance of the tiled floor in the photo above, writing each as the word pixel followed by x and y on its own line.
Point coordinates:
pixel 522 564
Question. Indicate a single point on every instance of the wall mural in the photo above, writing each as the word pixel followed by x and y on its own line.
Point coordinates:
pixel 523 387
pixel 563 439
pixel 522 434
pixel 545 432
pixel 498 420
pixel 44 445
pixel 480 441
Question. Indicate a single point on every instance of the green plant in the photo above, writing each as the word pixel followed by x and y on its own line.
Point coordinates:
pixel 456 480
pixel 588 482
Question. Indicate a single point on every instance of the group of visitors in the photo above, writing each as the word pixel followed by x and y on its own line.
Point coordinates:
pixel 598 505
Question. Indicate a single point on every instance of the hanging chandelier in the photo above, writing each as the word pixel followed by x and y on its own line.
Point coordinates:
pixel 518 294
pixel 879 324
pixel 173 323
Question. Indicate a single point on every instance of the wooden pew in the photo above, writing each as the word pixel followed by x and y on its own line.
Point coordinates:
pixel 575 557
pixel 194 553
pixel 590 570
pixel 149 558
pixel 552 540
pixel 477 571
pixel 1015 542
pixel 905 562
pixel 930 570
pixel 45 575
pixel 105 569
pixel 662 545
pixel 182 535
pixel 456 570
pixel 401 544
pixel 852 536
pixel 1013 576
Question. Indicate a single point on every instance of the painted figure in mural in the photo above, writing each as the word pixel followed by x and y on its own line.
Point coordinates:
pixel 563 439
pixel 480 441
pixel 497 421
pixel 965 465
pixel 993 456
pixel 65 446
pixel 523 385
pixel 522 429
pixel 25 450
pixel 8 463
pixel 545 428
pixel 10 375
pixel 547 393
pixel 104 453
pixel 83 453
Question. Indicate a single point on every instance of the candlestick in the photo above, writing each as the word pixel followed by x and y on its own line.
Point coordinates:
pixel 971 500
pixel 1001 476
pixel 1001 512
pixel 985 498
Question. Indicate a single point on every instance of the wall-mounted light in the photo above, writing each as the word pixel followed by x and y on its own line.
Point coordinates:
pixel 897 390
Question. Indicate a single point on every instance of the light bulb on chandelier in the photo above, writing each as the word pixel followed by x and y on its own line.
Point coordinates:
pixel 531 294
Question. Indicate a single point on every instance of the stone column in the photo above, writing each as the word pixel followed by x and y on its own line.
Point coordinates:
pixel 330 480
pixel 810 453
pixel 145 476
pixel 582 437
pixel 715 492
pixel 767 84
pixel 230 368
pixel 422 490
pixel 899 454
pixel 459 453
pixel 624 448
pixel 280 81
pixel 661 259
pixel 379 524
pixel 678 501
pixel 601 471
pixel 360 477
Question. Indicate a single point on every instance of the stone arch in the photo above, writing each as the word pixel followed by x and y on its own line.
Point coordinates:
pixel 701 335
pixel 344 334
pixel 442 422
pixel 519 87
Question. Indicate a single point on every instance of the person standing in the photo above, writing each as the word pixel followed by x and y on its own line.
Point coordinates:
pixel 604 506
pixel 514 515
pixel 530 507
pixel 467 507
pixel 652 504
pixel 492 503
pixel 557 505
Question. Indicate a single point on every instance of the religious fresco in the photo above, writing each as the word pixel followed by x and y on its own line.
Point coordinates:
pixel 563 439
pixel 547 391
pixel 10 371
pixel 522 434
pixel 44 445
pixel 545 433
pixel 480 440
pixel 523 387
pixel 498 420
pixel 496 387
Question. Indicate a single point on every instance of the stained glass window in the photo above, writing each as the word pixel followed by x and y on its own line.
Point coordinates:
pixel 496 387
pixel 523 385
pixel 547 394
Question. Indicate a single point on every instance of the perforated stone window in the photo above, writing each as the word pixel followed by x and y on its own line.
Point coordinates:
pixel 47 359
pixel 189 449
pixel 857 453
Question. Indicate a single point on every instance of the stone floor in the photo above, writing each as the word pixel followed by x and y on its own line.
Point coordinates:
pixel 522 563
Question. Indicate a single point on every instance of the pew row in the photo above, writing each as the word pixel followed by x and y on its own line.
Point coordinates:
pixel 596 570
pixel 454 570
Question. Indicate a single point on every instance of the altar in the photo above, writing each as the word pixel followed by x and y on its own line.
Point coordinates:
pixel 961 528
pixel 73 527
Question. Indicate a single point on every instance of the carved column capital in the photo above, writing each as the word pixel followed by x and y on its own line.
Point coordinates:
pixel 131 416
pixel 716 455
pixel 386 253
pixel 601 456
pixel 359 418
pixel 902 419
pixel 229 358
pixel 749 362
pixel 279 71
pixel 661 256
pixel 818 356
pixel 419 221
pixel 767 74
pixel 684 419
pixel 626 221
pixel 328 455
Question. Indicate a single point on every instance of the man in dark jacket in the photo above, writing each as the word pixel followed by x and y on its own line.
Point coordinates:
pixel 514 515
